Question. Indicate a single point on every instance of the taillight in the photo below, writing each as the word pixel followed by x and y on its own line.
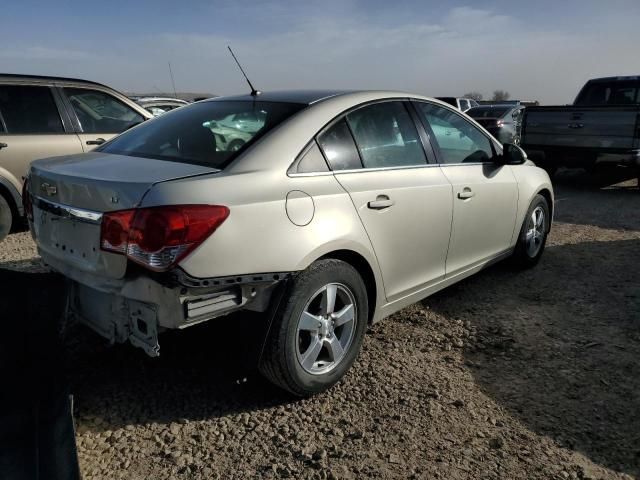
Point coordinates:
pixel 159 237
pixel 27 205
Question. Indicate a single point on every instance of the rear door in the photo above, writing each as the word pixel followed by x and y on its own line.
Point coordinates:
pixel 403 201
pixel 32 127
pixel 99 115
pixel 485 195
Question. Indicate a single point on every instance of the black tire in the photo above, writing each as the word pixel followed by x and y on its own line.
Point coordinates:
pixel 6 218
pixel 523 256
pixel 279 363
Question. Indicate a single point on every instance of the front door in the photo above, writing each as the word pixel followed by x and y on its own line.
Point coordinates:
pixel 485 194
pixel 100 115
pixel 403 202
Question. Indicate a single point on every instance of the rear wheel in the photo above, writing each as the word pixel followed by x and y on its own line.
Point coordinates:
pixel 533 234
pixel 6 218
pixel 317 333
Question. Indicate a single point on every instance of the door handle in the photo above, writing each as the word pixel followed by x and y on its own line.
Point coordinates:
pixel 576 125
pixel 466 193
pixel 381 202
pixel 97 141
pixel 3 145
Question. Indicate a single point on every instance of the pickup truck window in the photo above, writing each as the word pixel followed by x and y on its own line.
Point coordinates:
pixel 609 93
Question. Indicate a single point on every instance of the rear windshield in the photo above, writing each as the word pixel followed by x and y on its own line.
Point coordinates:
pixel 488 112
pixel 621 92
pixel 207 133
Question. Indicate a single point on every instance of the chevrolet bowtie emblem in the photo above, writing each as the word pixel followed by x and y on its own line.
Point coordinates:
pixel 50 190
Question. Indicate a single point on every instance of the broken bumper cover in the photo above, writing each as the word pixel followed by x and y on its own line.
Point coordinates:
pixel 139 308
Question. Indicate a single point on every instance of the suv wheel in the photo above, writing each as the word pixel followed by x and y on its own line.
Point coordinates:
pixel 317 333
pixel 6 218
pixel 533 234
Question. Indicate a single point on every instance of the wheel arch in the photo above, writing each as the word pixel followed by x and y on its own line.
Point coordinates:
pixel 549 198
pixel 13 199
pixel 365 270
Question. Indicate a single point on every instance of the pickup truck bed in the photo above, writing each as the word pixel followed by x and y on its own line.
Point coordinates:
pixel 584 134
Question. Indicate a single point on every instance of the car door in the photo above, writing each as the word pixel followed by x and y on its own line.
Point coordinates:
pixel 403 201
pixel 485 194
pixel 100 116
pixel 31 127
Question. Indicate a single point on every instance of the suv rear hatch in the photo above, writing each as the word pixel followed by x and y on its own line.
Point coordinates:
pixel 70 194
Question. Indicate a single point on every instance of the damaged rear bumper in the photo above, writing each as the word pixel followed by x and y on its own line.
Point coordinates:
pixel 139 308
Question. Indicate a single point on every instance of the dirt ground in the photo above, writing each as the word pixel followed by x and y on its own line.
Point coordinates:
pixel 508 374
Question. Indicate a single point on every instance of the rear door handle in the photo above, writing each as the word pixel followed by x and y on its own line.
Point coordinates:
pixel 97 141
pixel 3 145
pixel 381 202
pixel 466 193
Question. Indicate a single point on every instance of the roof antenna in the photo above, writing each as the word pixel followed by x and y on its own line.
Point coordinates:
pixel 254 92
pixel 172 82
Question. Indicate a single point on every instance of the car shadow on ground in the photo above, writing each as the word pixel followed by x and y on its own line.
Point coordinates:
pixel 588 199
pixel 559 345
pixel 204 371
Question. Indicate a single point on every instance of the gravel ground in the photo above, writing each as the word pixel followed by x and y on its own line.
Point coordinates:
pixel 508 374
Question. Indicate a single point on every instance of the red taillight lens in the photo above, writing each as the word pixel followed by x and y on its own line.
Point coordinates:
pixel 26 200
pixel 159 237
pixel 115 230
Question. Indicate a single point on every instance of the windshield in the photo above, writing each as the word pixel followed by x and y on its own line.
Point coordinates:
pixel 207 133
pixel 618 92
pixel 488 112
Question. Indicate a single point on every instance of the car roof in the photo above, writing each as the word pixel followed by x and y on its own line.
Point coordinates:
pixel 310 97
pixel 306 97
pixel 45 78
pixel 608 79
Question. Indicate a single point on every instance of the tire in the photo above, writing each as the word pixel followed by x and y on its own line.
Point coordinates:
pixel 6 218
pixel 292 344
pixel 526 254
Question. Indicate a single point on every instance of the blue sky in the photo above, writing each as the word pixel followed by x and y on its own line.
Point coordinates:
pixel 535 49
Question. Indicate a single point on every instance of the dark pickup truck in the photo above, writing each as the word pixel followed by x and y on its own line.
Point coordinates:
pixel 602 126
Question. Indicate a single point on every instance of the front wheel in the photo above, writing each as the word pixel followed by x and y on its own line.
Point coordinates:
pixel 317 332
pixel 533 234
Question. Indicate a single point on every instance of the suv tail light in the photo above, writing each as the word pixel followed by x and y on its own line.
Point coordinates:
pixel 159 237
pixel 27 205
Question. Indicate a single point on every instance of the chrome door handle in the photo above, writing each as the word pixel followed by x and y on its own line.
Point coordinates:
pixel 466 193
pixel 381 202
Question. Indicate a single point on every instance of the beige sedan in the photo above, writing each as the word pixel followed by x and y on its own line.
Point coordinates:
pixel 340 209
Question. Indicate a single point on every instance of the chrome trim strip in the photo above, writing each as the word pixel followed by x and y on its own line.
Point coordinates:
pixel 382 169
pixel 77 214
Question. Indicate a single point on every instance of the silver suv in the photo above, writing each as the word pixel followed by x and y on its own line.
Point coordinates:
pixel 48 116
pixel 338 210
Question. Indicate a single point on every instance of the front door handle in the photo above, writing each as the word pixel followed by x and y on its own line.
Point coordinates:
pixel 3 145
pixel 97 141
pixel 466 193
pixel 381 202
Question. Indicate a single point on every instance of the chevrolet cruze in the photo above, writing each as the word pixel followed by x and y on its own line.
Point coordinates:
pixel 339 209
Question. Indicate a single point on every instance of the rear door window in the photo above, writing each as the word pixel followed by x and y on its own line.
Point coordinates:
pixel 386 136
pixel 99 112
pixel 29 110
pixel 610 93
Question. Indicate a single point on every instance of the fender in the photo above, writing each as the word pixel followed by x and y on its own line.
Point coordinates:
pixel 13 191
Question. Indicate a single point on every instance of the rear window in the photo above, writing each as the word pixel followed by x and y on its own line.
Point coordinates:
pixel 485 112
pixel 609 93
pixel 208 133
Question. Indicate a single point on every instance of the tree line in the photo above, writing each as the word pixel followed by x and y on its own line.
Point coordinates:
pixel 498 96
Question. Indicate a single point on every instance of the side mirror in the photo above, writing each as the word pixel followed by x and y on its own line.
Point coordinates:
pixel 512 155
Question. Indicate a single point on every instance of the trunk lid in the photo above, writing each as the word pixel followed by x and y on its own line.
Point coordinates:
pixel 71 193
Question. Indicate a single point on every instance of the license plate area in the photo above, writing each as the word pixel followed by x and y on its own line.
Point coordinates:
pixel 66 236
